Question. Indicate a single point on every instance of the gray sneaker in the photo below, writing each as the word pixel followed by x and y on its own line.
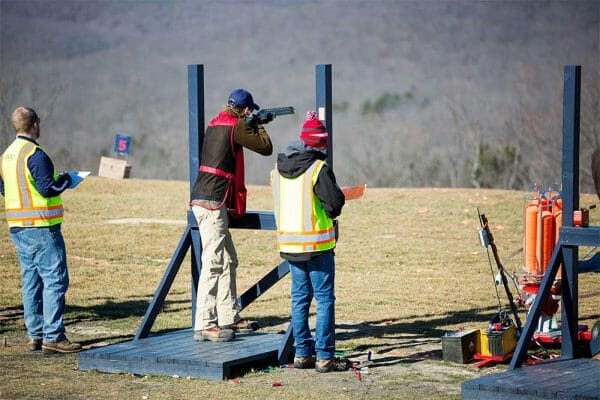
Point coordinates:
pixel 34 344
pixel 332 364
pixel 243 326
pixel 214 334
pixel 64 346
pixel 304 362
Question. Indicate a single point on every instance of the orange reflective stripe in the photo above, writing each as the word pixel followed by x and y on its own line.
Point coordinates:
pixel 29 216
pixel 43 212
pixel 26 200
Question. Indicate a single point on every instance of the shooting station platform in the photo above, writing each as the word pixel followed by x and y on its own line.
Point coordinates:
pixel 556 379
pixel 571 376
pixel 177 353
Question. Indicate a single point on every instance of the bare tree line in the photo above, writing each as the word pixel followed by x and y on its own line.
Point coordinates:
pixel 527 151
pixel 39 93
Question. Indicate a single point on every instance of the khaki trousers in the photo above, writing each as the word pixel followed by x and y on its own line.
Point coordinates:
pixel 216 298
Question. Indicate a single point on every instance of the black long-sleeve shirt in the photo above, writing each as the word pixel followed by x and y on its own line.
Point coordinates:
pixel 42 170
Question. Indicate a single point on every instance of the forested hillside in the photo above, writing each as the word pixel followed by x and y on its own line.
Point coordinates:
pixel 426 93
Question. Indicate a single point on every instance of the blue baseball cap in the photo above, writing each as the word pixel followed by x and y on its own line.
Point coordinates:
pixel 242 98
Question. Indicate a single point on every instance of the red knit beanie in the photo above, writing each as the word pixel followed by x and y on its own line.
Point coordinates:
pixel 313 133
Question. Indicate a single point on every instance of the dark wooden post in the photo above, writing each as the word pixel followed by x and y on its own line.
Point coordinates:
pixel 196 138
pixel 570 187
pixel 569 238
pixel 324 103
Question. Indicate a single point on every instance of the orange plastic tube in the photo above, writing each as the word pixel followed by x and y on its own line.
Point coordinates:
pixel 538 241
pixel 557 224
pixel 530 245
pixel 557 205
pixel 548 241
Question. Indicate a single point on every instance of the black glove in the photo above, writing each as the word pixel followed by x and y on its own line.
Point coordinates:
pixel 65 174
pixel 268 118
pixel 260 118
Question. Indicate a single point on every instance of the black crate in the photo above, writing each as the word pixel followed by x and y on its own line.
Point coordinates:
pixel 460 346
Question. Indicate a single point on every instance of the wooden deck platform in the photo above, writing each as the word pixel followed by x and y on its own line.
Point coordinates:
pixel 557 379
pixel 176 353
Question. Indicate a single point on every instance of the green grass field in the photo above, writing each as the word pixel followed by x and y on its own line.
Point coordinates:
pixel 409 268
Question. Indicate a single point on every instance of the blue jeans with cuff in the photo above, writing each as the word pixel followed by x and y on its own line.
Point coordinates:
pixel 45 280
pixel 314 278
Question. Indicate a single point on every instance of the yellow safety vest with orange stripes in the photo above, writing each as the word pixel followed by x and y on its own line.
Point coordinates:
pixel 303 226
pixel 24 205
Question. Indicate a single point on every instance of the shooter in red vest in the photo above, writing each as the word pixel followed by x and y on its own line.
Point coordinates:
pixel 218 195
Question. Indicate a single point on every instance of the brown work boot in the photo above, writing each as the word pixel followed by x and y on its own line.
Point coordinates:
pixel 214 334
pixel 34 344
pixel 304 362
pixel 332 364
pixel 243 326
pixel 63 346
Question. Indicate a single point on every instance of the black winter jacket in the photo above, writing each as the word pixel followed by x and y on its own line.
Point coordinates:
pixel 295 161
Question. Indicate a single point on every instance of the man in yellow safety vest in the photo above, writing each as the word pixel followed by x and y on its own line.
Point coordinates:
pixel 306 200
pixel 34 211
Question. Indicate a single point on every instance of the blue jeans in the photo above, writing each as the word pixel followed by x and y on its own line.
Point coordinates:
pixel 314 278
pixel 45 280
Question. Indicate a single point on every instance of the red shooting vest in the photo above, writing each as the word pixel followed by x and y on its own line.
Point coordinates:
pixel 235 197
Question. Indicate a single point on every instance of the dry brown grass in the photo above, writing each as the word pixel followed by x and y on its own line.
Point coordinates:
pixel 409 267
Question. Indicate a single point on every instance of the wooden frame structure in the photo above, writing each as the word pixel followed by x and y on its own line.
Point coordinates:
pixel 176 352
pixel 570 237
pixel 571 375
pixel 261 220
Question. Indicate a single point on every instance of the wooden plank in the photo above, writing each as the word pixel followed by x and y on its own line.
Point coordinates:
pixel 114 366
pixel 471 394
pixel 179 348
pixel 592 394
pixel 530 379
pixel 251 357
pixel 588 389
pixel 561 378
pixel 124 356
pixel 149 357
pixel 106 352
pixel 547 376
pixel 174 335
pixel 571 383
pixel 176 353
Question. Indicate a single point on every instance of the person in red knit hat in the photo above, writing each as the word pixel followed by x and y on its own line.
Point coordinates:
pixel 314 133
pixel 307 199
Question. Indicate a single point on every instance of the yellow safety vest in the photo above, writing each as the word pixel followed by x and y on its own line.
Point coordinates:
pixel 24 205
pixel 303 226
